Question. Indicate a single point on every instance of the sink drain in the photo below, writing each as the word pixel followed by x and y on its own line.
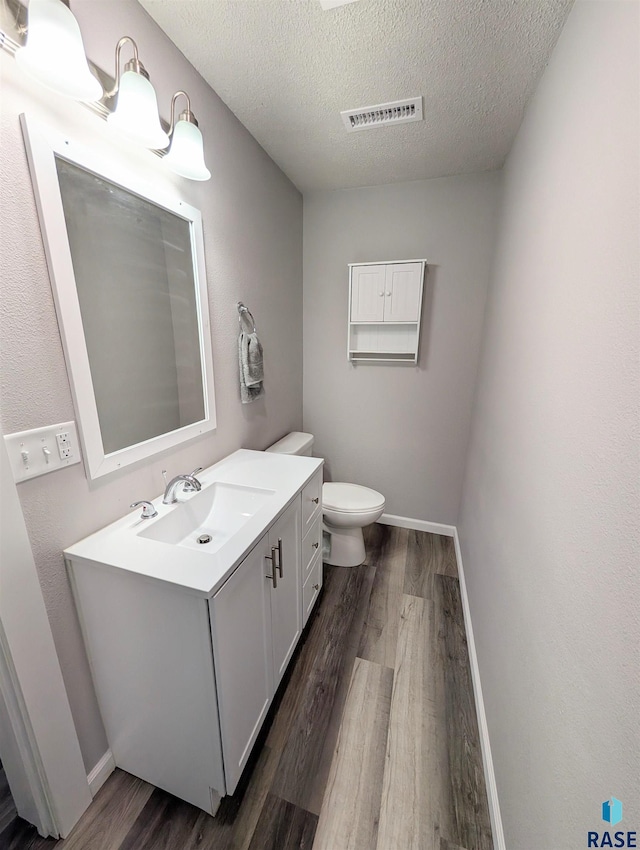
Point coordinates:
pixel 204 538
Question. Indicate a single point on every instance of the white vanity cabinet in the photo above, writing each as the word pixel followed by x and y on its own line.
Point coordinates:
pixel 255 625
pixel 187 649
pixel 385 302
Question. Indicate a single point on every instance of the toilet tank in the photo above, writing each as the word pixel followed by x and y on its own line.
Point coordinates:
pixel 295 443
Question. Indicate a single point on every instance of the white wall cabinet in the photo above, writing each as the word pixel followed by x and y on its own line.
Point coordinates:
pixel 185 681
pixel 385 305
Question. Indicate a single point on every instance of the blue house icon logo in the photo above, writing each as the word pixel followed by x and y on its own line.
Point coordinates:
pixel 612 811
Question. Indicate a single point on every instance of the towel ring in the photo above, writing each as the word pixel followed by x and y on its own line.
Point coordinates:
pixel 245 311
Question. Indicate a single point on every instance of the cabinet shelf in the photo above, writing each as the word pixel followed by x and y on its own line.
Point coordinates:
pixel 384 323
pixel 385 306
pixel 375 356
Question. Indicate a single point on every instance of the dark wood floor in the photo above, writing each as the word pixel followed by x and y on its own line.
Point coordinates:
pixel 372 745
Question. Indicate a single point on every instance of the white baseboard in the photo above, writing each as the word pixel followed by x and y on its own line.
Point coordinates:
pixel 418 524
pixel 487 761
pixel 101 772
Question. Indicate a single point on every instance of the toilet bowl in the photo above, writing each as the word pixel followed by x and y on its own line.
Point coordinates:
pixel 346 508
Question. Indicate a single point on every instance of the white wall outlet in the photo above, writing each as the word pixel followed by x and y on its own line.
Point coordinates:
pixel 64 445
pixel 42 450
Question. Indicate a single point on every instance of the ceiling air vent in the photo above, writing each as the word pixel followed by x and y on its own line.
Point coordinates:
pixel 398 112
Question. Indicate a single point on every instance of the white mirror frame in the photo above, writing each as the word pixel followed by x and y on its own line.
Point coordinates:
pixel 42 145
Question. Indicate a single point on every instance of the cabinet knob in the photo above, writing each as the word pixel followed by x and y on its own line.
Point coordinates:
pixel 316 500
pixel 316 587
pixel 381 294
pixel 388 292
pixel 316 544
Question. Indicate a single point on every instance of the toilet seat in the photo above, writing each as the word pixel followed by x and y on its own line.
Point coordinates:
pixel 350 498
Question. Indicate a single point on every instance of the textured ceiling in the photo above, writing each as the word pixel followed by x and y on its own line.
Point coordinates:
pixel 287 68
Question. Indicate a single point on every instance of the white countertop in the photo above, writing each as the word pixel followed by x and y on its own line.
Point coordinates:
pixel 119 544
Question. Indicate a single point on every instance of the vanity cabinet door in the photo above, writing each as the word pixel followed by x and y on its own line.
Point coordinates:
pixel 241 632
pixel 286 601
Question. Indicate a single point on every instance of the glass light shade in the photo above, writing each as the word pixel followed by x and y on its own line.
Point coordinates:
pixel 54 54
pixel 136 112
pixel 186 155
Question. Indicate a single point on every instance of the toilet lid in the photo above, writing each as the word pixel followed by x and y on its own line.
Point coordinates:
pixel 350 498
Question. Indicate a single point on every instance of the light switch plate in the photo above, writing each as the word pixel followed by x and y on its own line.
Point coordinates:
pixel 42 450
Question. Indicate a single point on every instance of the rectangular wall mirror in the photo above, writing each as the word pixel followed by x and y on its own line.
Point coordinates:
pixel 129 281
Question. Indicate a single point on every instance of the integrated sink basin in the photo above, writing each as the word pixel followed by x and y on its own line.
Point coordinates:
pixel 241 496
pixel 208 519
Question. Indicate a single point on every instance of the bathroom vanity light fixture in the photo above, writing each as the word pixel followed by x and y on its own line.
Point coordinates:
pixel 136 113
pixel 54 53
pixel 46 42
pixel 186 154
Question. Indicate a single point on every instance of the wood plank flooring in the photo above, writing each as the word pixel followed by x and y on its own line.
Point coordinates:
pixel 372 742
pixel 380 631
pixel 349 816
pixel 415 776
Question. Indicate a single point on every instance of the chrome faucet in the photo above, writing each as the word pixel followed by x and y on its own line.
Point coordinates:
pixel 187 482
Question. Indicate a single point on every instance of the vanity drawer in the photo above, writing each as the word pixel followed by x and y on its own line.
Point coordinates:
pixel 311 501
pixel 311 545
pixel 312 587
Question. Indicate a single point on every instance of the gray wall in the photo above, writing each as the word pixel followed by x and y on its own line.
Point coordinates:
pixel 549 520
pixel 400 429
pixel 252 219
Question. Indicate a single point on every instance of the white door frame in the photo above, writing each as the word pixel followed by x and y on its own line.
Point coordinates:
pixel 39 745
pixel 19 756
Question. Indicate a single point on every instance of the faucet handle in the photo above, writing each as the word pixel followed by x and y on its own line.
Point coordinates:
pixel 148 510
pixel 188 487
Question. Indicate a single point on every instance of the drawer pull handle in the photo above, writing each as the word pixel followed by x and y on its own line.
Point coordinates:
pixel 316 544
pixel 316 587
pixel 316 500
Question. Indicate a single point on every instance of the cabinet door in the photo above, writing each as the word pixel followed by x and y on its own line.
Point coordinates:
pixel 367 293
pixel 403 291
pixel 286 600
pixel 241 631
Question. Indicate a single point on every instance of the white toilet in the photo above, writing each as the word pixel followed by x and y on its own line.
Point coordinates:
pixel 346 508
